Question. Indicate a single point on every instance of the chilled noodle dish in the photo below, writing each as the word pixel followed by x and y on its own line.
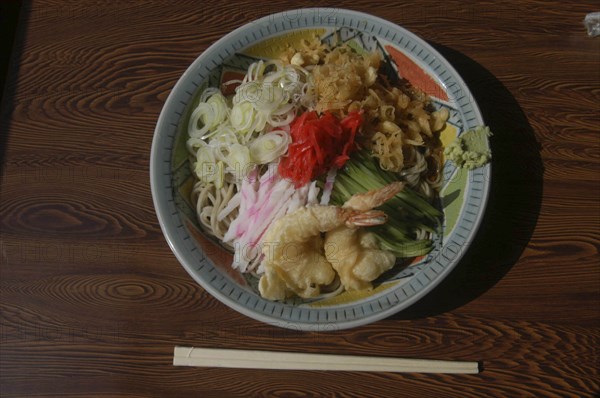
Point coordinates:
pixel 317 171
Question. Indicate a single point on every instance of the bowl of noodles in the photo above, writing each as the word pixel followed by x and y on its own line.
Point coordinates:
pixel 300 169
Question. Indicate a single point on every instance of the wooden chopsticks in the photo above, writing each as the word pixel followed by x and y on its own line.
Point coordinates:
pixel 228 358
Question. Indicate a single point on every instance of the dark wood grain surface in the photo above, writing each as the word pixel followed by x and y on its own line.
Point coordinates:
pixel 93 301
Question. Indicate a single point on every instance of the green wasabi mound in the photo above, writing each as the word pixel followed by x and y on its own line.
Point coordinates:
pixel 470 150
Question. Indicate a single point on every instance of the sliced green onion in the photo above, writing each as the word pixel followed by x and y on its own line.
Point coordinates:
pixel 269 146
pixel 238 161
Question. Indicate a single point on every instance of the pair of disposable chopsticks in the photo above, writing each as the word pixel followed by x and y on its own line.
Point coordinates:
pixel 227 358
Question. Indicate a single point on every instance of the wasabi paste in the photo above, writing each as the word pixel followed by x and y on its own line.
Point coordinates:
pixel 470 150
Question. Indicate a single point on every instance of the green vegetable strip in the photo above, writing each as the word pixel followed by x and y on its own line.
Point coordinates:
pixel 407 211
pixel 405 249
pixel 365 166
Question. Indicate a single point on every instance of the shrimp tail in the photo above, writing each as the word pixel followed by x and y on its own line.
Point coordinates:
pixel 371 199
pixel 366 219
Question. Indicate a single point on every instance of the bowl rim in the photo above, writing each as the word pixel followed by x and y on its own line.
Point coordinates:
pixel 164 210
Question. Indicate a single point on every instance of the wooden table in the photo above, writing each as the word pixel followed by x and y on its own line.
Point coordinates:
pixel 93 301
